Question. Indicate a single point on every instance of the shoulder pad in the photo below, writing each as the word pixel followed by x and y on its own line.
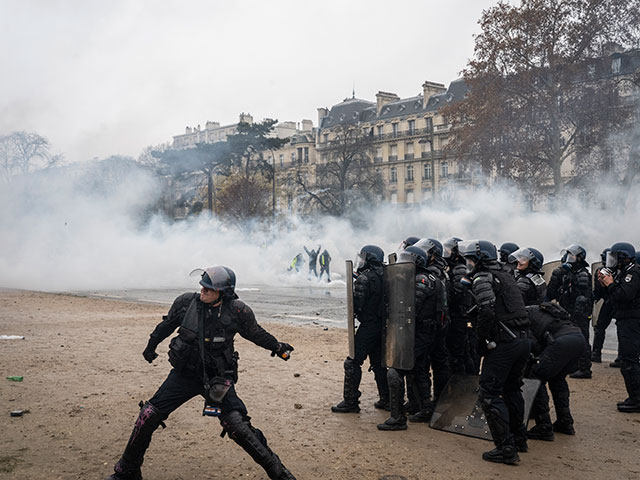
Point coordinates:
pixel 536 279
pixel 427 280
pixel 481 277
pixel 238 305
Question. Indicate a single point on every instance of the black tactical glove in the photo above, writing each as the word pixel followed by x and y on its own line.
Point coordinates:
pixel 283 351
pixel 149 353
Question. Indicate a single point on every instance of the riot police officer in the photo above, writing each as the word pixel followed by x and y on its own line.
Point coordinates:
pixel 506 249
pixel 460 302
pixel 429 315
pixel 622 282
pixel 205 363
pixel 528 274
pixel 502 329
pixel 558 345
pixel 368 306
pixel 570 285
pixel 606 313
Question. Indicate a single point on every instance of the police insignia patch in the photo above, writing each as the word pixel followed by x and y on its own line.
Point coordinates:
pixel 628 278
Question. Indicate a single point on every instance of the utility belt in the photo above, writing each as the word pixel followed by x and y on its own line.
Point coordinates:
pixel 504 333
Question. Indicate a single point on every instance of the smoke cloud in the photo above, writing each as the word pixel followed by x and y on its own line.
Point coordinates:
pixel 87 228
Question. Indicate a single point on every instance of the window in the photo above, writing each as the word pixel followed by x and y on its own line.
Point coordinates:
pixel 408 151
pixel 409 173
pixel 393 175
pixel 299 154
pixel 394 198
pixel 429 123
pixel 410 196
pixel 615 65
pixel 444 169
pixel 281 159
pixel 293 157
pixel 325 137
pixel 306 154
pixel 427 171
pixel 380 129
pixel 412 127
pixel 395 129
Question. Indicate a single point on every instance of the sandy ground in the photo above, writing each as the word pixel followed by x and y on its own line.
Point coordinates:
pixel 84 376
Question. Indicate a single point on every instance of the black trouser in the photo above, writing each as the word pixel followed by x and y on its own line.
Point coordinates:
pixel 554 363
pixel 629 353
pixel 604 320
pixel 368 342
pixel 585 359
pixel 499 394
pixel 438 361
pixel 472 355
pixel 457 344
pixel 324 269
pixel 312 269
pixel 175 391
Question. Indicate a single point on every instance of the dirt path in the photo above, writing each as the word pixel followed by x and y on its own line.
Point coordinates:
pixel 84 375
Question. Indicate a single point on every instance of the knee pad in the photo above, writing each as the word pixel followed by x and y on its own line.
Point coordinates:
pixel 393 378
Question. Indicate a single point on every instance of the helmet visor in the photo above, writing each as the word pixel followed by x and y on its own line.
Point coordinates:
pixel 406 257
pixel 568 257
pixel 611 260
pixel 362 261
pixel 521 256
pixel 467 248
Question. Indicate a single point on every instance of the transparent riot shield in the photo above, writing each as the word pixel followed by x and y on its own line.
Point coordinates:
pixel 351 324
pixel 457 410
pixel 597 306
pixel 548 268
pixel 399 289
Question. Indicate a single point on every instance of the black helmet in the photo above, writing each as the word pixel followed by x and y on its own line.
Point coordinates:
pixel 621 252
pixel 415 255
pixel 218 277
pixel 478 250
pixel 574 254
pixel 370 254
pixel 450 247
pixel 431 246
pixel 407 242
pixel 507 249
pixel 603 255
pixel 638 257
pixel 533 256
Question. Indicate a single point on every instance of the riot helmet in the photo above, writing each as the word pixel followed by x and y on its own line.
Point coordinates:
pixel 534 258
pixel 507 249
pixel 603 256
pixel 574 255
pixel 477 252
pixel 450 247
pixel 413 254
pixel 407 242
pixel 370 255
pixel 431 246
pixel 217 277
pixel 620 255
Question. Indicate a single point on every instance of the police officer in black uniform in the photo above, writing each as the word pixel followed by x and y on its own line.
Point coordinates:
pixel 502 329
pixel 570 285
pixel 368 306
pixel 622 282
pixel 606 313
pixel 558 345
pixel 205 363
pixel 528 274
pixel 506 249
pixel 430 312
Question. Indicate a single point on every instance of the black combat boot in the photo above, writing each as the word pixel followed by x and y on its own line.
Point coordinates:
pixel 520 438
pixel 505 451
pixel 382 404
pixel 564 423
pixel 397 419
pixel 424 415
pixel 581 374
pixel 615 363
pixel 543 430
pixel 380 376
pixel 507 454
pixel 255 444
pixel 128 467
pixel 632 382
pixel 596 356
pixel 352 377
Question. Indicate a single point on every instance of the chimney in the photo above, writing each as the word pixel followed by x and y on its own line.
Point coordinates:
pixel 383 98
pixel 322 112
pixel 307 125
pixel 429 89
pixel 246 118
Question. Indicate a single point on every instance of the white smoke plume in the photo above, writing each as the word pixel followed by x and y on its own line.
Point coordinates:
pixel 63 231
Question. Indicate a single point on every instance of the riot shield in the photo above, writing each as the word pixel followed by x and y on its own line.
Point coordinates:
pixel 597 306
pixel 548 268
pixel 351 324
pixel 392 258
pixel 399 290
pixel 457 410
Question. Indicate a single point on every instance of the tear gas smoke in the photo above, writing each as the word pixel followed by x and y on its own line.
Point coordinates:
pixel 71 230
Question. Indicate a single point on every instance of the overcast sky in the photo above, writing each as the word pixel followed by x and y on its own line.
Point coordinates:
pixel 111 77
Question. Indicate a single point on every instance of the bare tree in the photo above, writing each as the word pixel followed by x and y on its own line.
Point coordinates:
pixel 22 152
pixel 539 101
pixel 348 179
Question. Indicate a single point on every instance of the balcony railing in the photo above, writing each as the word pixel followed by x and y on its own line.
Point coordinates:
pixel 408 156
pixel 393 158
pixel 377 159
